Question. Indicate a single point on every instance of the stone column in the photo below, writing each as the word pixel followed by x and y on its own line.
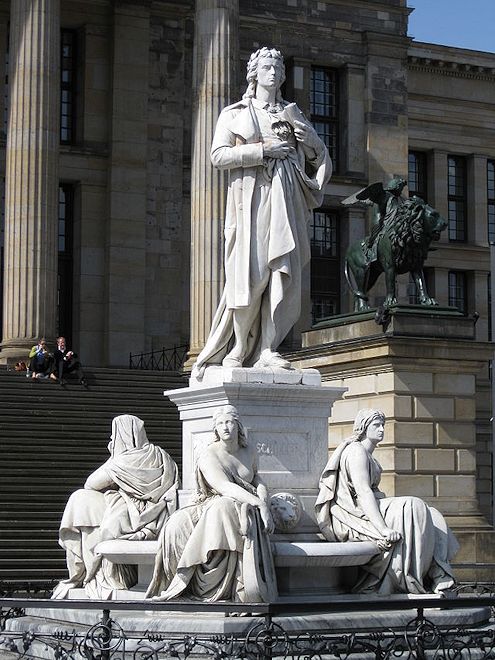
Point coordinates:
pixel 30 270
pixel 214 81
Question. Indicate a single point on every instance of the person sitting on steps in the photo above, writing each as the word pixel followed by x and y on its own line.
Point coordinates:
pixel 40 361
pixel 66 362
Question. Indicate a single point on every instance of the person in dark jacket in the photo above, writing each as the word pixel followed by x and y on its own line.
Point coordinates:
pixel 67 362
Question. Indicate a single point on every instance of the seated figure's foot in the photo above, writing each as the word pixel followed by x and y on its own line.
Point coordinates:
pixel 231 361
pixel 270 358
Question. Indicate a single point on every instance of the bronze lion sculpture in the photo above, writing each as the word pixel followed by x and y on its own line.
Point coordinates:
pixel 401 246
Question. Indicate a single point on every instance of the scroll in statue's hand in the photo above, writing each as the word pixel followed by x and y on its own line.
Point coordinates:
pixel 306 134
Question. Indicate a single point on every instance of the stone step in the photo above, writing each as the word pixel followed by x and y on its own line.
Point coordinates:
pixel 33 574
pixel 51 439
pixel 52 553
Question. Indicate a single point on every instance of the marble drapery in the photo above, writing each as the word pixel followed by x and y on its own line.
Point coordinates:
pixel 418 563
pixel 129 497
pixel 215 549
pixel 266 227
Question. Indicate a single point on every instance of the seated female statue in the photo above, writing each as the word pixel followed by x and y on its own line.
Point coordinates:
pixel 415 542
pixel 129 497
pixel 217 548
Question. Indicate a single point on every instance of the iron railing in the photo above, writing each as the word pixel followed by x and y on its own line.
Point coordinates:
pixel 166 359
pixel 268 634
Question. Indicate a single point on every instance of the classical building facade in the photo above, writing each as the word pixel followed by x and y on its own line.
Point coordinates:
pixel 112 221
pixel 112 214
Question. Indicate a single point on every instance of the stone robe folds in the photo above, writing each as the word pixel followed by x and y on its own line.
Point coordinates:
pixel 142 495
pixel 292 194
pixel 418 563
pixel 215 549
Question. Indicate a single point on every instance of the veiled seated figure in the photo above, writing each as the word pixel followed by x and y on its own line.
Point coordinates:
pixel 414 538
pixel 218 548
pixel 129 497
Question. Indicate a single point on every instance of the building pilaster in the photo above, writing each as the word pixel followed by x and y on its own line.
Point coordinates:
pixel 30 266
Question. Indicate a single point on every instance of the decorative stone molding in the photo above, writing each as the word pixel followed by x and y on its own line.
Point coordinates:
pixel 450 68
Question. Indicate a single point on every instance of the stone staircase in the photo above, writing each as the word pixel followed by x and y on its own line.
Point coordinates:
pixel 51 438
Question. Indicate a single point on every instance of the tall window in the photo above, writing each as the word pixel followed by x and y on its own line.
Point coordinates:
pixel 324 106
pixel 68 85
pixel 325 273
pixel 491 199
pixel 458 290
pixel 457 198
pixel 417 174
pixel 65 232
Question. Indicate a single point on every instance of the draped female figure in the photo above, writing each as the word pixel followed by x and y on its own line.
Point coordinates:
pixel 415 542
pixel 217 548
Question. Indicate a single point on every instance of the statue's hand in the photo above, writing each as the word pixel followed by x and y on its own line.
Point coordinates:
pixel 137 536
pixel 306 134
pixel 267 518
pixel 390 536
pixel 276 149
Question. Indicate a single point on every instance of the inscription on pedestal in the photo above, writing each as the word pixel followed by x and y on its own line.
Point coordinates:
pixel 282 452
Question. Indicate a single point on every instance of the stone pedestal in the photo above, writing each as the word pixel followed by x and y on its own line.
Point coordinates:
pixel 285 414
pixel 421 370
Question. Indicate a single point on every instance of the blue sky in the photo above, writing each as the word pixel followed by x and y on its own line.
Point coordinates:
pixel 454 23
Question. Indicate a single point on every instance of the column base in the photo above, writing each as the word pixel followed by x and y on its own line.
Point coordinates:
pixel 14 350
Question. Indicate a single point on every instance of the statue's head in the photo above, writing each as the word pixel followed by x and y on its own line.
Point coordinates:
pixel 363 420
pixel 396 185
pixel 127 433
pixel 260 65
pixel 229 412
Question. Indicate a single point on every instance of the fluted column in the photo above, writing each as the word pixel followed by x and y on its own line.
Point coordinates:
pixel 30 261
pixel 214 81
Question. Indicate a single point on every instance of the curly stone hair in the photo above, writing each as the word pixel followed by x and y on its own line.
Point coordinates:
pixel 252 70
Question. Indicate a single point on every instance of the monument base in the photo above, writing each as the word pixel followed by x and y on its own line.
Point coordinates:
pixel 44 632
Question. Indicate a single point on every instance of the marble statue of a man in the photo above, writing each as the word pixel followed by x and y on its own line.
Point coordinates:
pixel 278 168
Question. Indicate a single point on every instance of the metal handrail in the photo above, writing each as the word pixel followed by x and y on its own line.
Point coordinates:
pixel 165 359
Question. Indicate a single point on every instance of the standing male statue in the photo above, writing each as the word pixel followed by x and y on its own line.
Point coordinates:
pixel 278 169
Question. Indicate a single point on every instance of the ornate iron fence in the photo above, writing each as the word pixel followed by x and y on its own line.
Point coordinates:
pixel 166 359
pixel 267 636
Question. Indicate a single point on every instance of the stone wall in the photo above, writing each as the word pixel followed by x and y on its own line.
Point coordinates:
pixel 168 182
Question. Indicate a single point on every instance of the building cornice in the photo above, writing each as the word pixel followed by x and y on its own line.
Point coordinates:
pixel 452 62
pixel 453 69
